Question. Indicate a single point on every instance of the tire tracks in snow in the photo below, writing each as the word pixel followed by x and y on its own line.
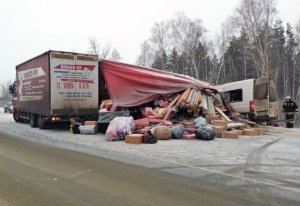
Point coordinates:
pixel 253 160
pixel 252 168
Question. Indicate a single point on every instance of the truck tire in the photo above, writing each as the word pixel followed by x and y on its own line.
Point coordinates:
pixel 5 111
pixel 41 123
pixel 16 116
pixel 102 127
pixel 33 120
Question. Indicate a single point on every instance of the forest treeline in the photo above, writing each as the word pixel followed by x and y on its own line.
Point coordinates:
pixel 252 42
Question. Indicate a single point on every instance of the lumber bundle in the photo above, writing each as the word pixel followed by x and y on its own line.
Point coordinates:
pixel 191 100
pixel 183 98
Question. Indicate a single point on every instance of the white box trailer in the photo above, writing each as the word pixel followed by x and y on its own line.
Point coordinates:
pixel 56 86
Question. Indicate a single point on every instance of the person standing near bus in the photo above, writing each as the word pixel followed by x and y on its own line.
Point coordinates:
pixel 289 108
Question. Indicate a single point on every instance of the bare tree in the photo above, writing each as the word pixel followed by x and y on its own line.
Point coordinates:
pixel 160 41
pixel 104 52
pixel 223 41
pixel 4 87
pixel 94 46
pixel 298 34
pixel 255 18
pixel 186 35
pixel 115 55
pixel 146 56
pixel 160 36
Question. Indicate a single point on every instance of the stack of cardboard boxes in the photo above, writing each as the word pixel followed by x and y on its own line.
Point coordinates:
pixel 221 129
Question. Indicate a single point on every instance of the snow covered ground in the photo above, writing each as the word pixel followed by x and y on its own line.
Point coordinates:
pixel 268 164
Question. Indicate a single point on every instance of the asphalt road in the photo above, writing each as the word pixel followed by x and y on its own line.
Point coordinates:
pixel 36 174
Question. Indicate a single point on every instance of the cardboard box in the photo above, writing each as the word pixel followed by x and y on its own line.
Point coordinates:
pixel 250 132
pixel 220 123
pixel 218 132
pixel 87 123
pixel 230 135
pixel 134 138
pixel 261 131
pixel 210 118
pixel 240 132
pixel 189 136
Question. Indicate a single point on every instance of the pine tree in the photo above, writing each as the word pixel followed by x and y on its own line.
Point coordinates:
pixel 277 57
pixel 160 61
pixel 173 61
pixel 291 45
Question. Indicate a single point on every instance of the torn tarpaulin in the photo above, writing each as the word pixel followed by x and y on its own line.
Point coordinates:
pixel 130 85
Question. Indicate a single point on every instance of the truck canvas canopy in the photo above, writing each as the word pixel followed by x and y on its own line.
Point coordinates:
pixel 130 85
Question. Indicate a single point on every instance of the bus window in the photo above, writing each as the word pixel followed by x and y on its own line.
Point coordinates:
pixel 234 95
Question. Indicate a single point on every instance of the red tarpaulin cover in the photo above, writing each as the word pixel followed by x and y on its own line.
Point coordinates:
pixel 130 85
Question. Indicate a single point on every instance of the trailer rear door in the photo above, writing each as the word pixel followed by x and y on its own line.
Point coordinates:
pixel 265 97
pixel 74 84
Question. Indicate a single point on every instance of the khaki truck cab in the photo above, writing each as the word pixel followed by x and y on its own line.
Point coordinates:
pixel 255 98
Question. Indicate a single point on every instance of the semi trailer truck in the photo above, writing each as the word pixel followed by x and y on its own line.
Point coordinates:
pixel 57 86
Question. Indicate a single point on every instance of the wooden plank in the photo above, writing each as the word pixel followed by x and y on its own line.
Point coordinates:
pixel 191 100
pixel 235 125
pixel 183 97
pixel 204 102
pixel 246 121
pixel 202 99
pixel 167 114
pixel 171 104
pixel 196 100
pixel 211 109
pixel 222 114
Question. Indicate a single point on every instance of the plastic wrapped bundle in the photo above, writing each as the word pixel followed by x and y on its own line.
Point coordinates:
pixel 177 132
pixel 205 133
pixel 88 129
pixel 200 122
pixel 119 127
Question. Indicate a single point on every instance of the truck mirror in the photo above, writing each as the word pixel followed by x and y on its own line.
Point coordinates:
pixel 11 89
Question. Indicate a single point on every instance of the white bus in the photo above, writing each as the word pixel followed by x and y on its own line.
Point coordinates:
pixel 255 98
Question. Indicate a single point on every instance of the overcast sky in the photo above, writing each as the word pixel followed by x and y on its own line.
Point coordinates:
pixel 31 27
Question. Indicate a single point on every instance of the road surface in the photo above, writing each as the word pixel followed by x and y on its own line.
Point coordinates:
pixel 36 174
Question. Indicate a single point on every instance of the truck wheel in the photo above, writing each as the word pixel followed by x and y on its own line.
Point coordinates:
pixel 16 116
pixel 33 121
pixel 5 111
pixel 102 127
pixel 41 123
